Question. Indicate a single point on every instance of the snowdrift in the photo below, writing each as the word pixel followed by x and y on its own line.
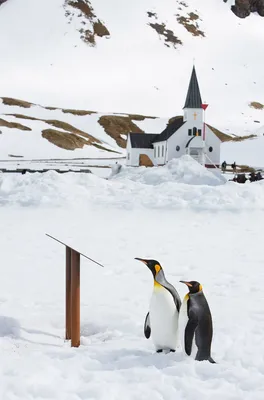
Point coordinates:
pixel 182 170
pixel 182 184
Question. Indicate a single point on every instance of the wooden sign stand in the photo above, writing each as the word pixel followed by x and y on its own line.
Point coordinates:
pixel 72 293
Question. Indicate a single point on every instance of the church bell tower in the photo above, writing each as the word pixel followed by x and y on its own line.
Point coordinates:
pixel 193 110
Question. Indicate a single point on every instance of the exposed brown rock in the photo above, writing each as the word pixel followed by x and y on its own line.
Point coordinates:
pixel 51 108
pixel 243 8
pixel 64 140
pixel 21 116
pixel 227 138
pixel 84 6
pixel 77 112
pixel 14 125
pixel 173 119
pixel 70 128
pixel 256 105
pixel 152 14
pixel 170 38
pixel 115 126
pixel 61 125
pixel 145 161
pixel 8 101
pixel 190 26
pixel 100 29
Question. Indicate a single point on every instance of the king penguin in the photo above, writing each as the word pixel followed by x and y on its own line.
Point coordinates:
pixel 195 323
pixel 161 322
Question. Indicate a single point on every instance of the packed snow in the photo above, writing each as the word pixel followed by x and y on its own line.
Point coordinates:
pixel 197 232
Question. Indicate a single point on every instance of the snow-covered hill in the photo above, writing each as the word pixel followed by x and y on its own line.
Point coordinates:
pixel 34 131
pixel 134 69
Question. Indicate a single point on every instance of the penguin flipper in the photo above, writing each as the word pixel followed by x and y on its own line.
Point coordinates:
pixel 189 334
pixel 174 293
pixel 147 329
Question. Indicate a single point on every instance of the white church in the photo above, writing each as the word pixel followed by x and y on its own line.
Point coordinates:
pixel 184 135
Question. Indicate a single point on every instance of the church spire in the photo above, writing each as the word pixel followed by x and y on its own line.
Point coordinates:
pixel 193 98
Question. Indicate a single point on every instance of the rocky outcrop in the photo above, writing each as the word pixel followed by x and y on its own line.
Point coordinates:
pixel 243 8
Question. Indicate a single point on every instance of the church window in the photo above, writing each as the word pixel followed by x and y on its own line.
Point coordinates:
pixel 194 131
pixel 199 132
pixel 210 149
pixel 128 156
pixel 177 148
pixel 155 151
pixel 189 132
pixel 162 151
pixel 158 151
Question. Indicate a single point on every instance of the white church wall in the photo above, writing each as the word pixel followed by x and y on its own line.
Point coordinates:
pixel 135 154
pixel 211 140
pixel 176 144
pixel 194 115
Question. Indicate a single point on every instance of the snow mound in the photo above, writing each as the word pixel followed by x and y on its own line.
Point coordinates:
pixel 182 170
pixel 87 191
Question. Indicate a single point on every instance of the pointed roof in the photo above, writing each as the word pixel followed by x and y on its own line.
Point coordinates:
pixel 193 99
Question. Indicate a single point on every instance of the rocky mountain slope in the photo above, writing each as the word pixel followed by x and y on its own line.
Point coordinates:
pixel 122 59
pixel 243 8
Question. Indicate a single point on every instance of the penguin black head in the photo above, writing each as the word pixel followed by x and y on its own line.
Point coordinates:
pixel 194 287
pixel 153 265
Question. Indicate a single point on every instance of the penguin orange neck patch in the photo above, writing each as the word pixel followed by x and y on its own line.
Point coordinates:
pixel 186 297
pixel 157 268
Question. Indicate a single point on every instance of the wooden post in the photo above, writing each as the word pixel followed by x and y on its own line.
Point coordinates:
pixel 72 295
pixel 75 298
pixel 68 294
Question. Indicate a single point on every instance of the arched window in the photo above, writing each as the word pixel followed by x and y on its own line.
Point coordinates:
pixel 158 151
pixel 194 131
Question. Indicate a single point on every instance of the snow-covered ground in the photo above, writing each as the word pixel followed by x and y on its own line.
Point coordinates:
pixel 210 232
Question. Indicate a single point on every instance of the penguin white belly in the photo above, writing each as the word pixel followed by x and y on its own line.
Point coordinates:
pixel 183 320
pixel 163 319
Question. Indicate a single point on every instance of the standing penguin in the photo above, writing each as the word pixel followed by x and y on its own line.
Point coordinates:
pixel 196 323
pixel 161 321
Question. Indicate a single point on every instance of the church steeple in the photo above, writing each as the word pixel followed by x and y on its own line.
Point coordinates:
pixel 193 98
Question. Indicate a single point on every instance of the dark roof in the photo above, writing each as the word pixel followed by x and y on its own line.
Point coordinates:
pixel 142 140
pixel 193 99
pixel 169 130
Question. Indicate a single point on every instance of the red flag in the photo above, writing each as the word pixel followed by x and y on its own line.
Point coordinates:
pixel 204 106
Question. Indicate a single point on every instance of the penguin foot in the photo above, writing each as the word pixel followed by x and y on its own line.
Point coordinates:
pixel 211 360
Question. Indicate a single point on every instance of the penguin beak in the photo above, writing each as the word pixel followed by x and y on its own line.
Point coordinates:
pixel 142 260
pixel 186 283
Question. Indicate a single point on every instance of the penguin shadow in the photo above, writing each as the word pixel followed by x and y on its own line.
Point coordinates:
pixel 121 359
